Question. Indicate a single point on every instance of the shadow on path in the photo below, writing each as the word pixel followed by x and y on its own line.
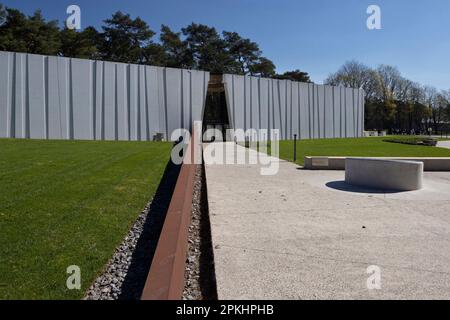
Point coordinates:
pixel 344 186
pixel 208 284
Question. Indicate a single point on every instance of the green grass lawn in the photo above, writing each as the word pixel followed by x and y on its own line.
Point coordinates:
pixel 69 203
pixel 360 147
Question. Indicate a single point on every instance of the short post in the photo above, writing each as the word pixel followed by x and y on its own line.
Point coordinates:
pixel 295 147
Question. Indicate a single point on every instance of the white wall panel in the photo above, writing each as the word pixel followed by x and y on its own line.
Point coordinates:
pixel 109 100
pixel 173 99
pixel 99 98
pixel 254 103
pixel 6 80
pixel 37 96
pixel 342 113
pixel 349 111
pixel 264 97
pixel 315 112
pixel 53 102
pixel 329 112
pixel 19 109
pixel 143 105
pixel 288 110
pixel 337 112
pixel 82 103
pixel 239 102
pixel 276 91
pixel 295 114
pixel 283 102
pixel 122 101
pixel 134 102
pixel 305 132
pixel 321 111
pixel 312 111
pixel 199 87
pixel 153 100
pixel 247 106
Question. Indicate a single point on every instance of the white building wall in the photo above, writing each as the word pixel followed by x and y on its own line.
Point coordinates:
pixel 309 110
pixel 64 98
pixel 44 97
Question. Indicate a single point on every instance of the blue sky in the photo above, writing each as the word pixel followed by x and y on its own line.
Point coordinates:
pixel 315 36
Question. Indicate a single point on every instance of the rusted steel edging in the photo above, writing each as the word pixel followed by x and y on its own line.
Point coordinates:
pixel 165 280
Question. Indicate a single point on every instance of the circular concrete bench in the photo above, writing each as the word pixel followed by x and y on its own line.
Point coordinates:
pixel 398 175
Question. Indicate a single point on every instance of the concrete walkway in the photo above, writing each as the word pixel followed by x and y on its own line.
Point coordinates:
pixel 306 235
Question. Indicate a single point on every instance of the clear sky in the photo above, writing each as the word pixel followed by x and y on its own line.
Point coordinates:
pixel 316 36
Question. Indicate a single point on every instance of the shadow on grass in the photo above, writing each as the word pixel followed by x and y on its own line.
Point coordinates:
pixel 146 246
pixel 344 186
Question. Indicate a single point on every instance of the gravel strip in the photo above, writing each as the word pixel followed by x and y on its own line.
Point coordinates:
pixel 125 274
pixel 108 286
pixel 200 283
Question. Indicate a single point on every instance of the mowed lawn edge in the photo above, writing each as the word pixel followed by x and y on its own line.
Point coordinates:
pixel 68 203
pixel 355 147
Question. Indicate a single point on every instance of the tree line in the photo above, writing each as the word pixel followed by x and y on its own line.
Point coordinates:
pixel 393 102
pixel 130 40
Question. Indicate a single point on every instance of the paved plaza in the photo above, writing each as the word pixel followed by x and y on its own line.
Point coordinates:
pixel 307 235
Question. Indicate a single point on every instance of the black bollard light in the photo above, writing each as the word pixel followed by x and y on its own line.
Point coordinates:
pixel 295 147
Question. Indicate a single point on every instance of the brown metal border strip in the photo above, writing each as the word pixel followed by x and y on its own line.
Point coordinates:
pixel 165 280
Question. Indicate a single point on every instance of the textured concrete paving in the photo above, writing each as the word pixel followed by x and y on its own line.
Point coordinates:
pixel 307 235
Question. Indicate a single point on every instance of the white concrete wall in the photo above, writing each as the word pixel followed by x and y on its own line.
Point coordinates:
pixel 311 111
pixel 46 97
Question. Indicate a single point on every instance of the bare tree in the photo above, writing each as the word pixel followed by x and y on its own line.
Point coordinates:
pixel 393 101
pixel 390 79
pixel 355 75
pixel 447 108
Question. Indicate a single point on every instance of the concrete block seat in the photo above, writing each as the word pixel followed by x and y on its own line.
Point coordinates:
pixel 338 163
pixel 398 175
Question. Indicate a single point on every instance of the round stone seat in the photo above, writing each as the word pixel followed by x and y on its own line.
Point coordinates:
pixel 396 175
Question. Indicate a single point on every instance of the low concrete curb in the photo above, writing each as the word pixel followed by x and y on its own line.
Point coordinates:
pixel 338 163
